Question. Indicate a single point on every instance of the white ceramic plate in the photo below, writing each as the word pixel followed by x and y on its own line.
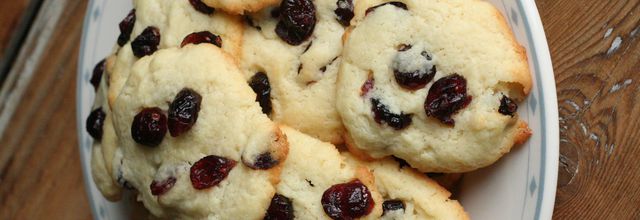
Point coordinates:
pixel 522 185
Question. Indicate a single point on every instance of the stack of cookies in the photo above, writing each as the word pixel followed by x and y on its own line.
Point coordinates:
pixel 304 109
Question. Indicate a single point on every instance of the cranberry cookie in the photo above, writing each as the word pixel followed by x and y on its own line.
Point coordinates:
pixel 409 194
pixel 239 6
pixel 290 56
pixel 158 24
pixel 194 143
pixel 435 83
pixel 316 183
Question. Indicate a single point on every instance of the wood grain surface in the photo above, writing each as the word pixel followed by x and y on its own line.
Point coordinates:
pixel 594 45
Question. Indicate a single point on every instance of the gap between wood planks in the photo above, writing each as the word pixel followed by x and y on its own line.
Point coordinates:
pixel 28 59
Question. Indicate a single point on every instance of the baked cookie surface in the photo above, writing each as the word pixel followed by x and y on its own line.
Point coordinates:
pixel 194 143
pixel 299 64
pixel 240 6
pixel 435 83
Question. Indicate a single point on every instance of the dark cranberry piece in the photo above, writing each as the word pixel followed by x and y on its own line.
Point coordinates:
pixel 126 27
pixel 344 11
pixel 159 188
pixel 392 205
pixel 97 74
pixel 260 85
pixel 382 114
pixel 149 127
pixel 397 4
pixel 201 7
pixel 95 121
pixel 275 12
pixel 347 200
pixel 183 111
pixel 263 161
pixel 507 106
pixel 202 37
pixel 297 21
pixel 367 85
pixel 446 97
pixel 147 42
pixel 209 171
pixel 413 74
pixel 280 209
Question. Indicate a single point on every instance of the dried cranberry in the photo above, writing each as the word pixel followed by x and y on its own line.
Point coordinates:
pixel 397 4
pixel 183 111
pixel 126 27
pixel 508 106
pixel 280 209
pixel 147 42
pixel 95 121
pixel 263 161
pixel 392 205
pixel 202 37
pixel 347 200
pixel 97 74
pixel 413 68
pixel 297 21
pixel 201 7
pixel 275 12
pixel 260 85
pixel 367 85
pixel 446 97
pixel 344 11
pixel 159 188
pixel 209 171
pixel 382 114
pixel 149 127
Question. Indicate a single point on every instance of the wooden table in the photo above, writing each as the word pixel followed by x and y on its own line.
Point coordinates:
pixel 594 44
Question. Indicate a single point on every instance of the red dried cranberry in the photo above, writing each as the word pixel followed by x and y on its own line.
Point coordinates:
pixel 94 124
pixel 280 208
pixel 202 37
pixel 149 127
pixel 97 74
pixel 297 21
pixel 397 4
pixel 209 171
pixel 261 86
pixel 392 205
pixel 126 27
pixel 183 111
pixel 201 7
pixel 147 42
pixel 159 188
pixel 367 86
pixel 446 97
pixel 508 106
pixel 344 11
pixel 347 200
pixel 264 161
pixel 382 114
pixel 413 74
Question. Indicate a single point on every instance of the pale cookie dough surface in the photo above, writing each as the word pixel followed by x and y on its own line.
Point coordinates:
pixel 303 77
pixel 313 167
pixel 230 125
pixel 422 197
pixel 469 38
pixel 175 19
pixel 240 6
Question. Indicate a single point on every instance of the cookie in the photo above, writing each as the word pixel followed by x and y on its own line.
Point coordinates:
pixel 159 24
pixel 294 67
pixel 409 194
pixel 239 7
pixel 100 126
pixel 311 175
pixel 193 142
pixel 435 83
